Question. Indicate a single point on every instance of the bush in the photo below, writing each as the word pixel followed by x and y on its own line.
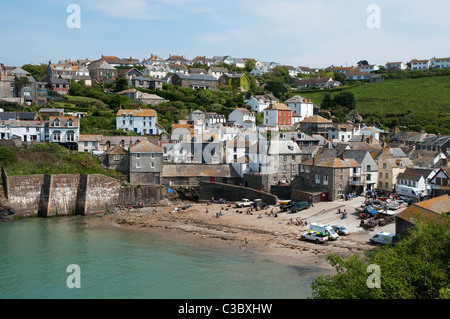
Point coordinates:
pixel 7 157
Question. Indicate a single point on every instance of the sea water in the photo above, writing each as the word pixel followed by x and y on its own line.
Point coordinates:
pixel 115 263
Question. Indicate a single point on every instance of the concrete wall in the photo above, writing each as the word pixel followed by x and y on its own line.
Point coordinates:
pixel 66 194
pixel 233 193
pixel 149 195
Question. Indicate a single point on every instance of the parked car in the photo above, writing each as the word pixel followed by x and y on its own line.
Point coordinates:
pixel 285 207
pixel 259 204
pixel 244 203
pixel 300 206
pixel 383 238
pixel 341 230
pixel 318 239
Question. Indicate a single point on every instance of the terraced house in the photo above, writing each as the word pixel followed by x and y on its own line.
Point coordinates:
pixel 142 121
pixel 145 163
pixel 331 178
pixel 238 82
pixel 64 130
pixel 195 81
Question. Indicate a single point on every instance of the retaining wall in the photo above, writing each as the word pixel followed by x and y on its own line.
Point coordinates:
pixel 233 193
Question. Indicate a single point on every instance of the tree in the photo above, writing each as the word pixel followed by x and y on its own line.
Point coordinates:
pixel 363 62
pixel 120 85
pixel 36 71
pixel 249 65
pixel 415 267
pixel 345 99
pixel 278 88
pixel 19 84
pixel 327 102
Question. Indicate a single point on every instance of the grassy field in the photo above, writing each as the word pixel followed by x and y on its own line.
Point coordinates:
pixel 422 101
pixel 52 159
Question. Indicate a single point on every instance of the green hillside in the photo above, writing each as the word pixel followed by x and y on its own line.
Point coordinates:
pixel 50 158
pixel 415 103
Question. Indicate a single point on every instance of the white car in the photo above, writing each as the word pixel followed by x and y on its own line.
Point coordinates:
pixel 314 237
pixel 383 238
pixel 340 230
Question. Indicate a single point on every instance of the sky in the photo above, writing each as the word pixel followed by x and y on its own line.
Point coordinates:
pixel 313 33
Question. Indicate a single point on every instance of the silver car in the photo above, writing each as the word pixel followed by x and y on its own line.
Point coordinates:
pixel 341 230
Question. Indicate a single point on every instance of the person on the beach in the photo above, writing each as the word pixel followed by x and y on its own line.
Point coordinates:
pixel 246 241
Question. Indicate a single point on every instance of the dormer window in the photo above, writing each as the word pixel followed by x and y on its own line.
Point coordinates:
pixel 70 123
pixel 56 123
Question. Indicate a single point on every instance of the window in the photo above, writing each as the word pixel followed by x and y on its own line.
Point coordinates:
pixel 70 136
pixel 70 123
pixel 325 179
pixel 317 179
pixel 381 175
pixel 57 136
pixel 138 164
pixel 152 155
pixel 152 164
pixel 116 157
pixel 138 156
pixel 56 123
pixel 386 175
pixel 384 165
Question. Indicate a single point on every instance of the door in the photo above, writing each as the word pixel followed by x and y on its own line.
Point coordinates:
pixel 323 197
pixel 212 179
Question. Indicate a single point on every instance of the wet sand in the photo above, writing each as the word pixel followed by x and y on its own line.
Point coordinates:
pixel 273 237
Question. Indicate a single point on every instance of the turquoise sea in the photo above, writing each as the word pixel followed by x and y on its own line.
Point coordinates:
pixel 120 263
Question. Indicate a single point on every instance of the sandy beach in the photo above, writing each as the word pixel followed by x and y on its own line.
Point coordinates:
pixel 277 237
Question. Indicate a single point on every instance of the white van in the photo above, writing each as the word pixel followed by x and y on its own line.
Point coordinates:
pixel 323 230
pixel 382 238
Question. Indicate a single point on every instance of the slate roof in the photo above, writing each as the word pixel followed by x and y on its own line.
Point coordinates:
pixel 200 77
pixel 145 147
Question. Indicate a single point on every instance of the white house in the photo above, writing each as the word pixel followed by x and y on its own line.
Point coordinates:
pixel 259 102
pixel 304 70
pixel 156 71
pixel 396 66
pixel 369 68
pixel 300 106
pixel 238 63
pixel 369 131
pixel 440 182
pixel 293 72
pixel 354 75
pixel 341 132
pixel 217 72
pixel 242 117
pixel 441 63
pixel 259 71
pixel 420 64
pixel 414 182
pixel 25 130
pixel 63 129
pixel 142 121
